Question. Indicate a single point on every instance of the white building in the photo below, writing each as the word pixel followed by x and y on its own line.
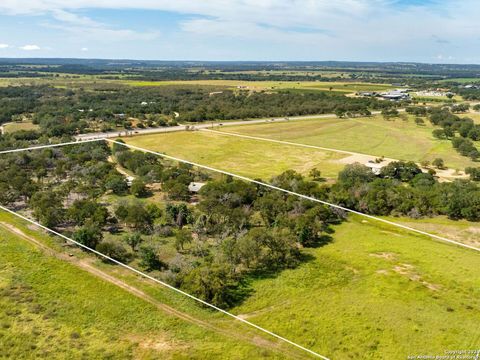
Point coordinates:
pixel 130 180
pixel 195 187
pixel 375 167
pixel 395 95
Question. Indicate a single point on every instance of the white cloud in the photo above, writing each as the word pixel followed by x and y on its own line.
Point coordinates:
pixel 379 29
pixel 353 18
pixel 87 28
pixel 84 49
pixel 30 47
pixel 4 46
pixel 102 33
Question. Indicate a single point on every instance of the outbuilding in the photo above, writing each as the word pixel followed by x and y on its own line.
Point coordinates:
pixel 194 187
pixel 375 167
pixel 395 95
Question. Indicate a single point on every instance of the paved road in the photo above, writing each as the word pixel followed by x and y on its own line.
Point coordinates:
pixel 204 125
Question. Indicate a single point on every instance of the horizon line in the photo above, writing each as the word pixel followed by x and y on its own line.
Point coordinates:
pixel 235 61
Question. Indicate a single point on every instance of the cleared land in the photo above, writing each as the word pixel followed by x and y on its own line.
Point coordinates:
pixel 475 115
pixel 374 293
pixel 394 138
pixel 50 308
pixel 67 80
pixel 17 126
pixel 464 231
pixel 377 292
pixel 339 86
pixel 242 156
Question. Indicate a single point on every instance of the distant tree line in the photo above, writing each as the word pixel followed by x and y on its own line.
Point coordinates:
pixel 68 112
pixel 403 189
pixel 462 131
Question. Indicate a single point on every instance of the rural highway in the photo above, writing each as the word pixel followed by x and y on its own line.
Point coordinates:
pixel 199 126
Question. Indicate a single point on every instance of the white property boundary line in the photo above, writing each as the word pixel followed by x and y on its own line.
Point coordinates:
pixel 437 237
pixel 235 176
pixel 283 142
pixel 48 146
pixel 138 272
pixel 297 194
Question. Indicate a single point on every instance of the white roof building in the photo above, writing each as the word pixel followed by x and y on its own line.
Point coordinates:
pixel 130 180
pixel 394 95
pixel 375 167
pixel 195 187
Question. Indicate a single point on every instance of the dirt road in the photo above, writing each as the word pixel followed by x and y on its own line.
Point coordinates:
pixel 87 264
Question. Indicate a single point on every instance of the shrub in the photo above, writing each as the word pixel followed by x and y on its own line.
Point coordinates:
pixel 112 249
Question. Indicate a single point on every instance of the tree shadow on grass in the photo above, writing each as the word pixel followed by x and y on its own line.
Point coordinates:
pixel 321 241
pixel 273 271
pixel 245 289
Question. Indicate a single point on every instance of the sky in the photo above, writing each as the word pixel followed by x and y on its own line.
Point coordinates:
pixel 429 31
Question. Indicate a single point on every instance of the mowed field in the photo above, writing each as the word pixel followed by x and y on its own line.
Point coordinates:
pixel 17 126
pixel 397 139
pixel 252 158
pixel 50 308
pixel 65 80
pixel 338 86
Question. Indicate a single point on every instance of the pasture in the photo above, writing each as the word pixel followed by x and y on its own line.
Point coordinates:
pixel 395 138
pixel 51 308
pixel 17 126
pixel 475 115
pixel 375 292
pixel 338 86
pixel 246 157
pixel 467 232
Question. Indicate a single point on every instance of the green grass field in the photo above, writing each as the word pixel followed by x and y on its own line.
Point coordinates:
pixel 396 138
pixel 17 126
pixel 375 293
pixel 50 308
pixel 464 231
pixel 475 115
pixel 242 156
pixel 338 86
pixel 461 80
